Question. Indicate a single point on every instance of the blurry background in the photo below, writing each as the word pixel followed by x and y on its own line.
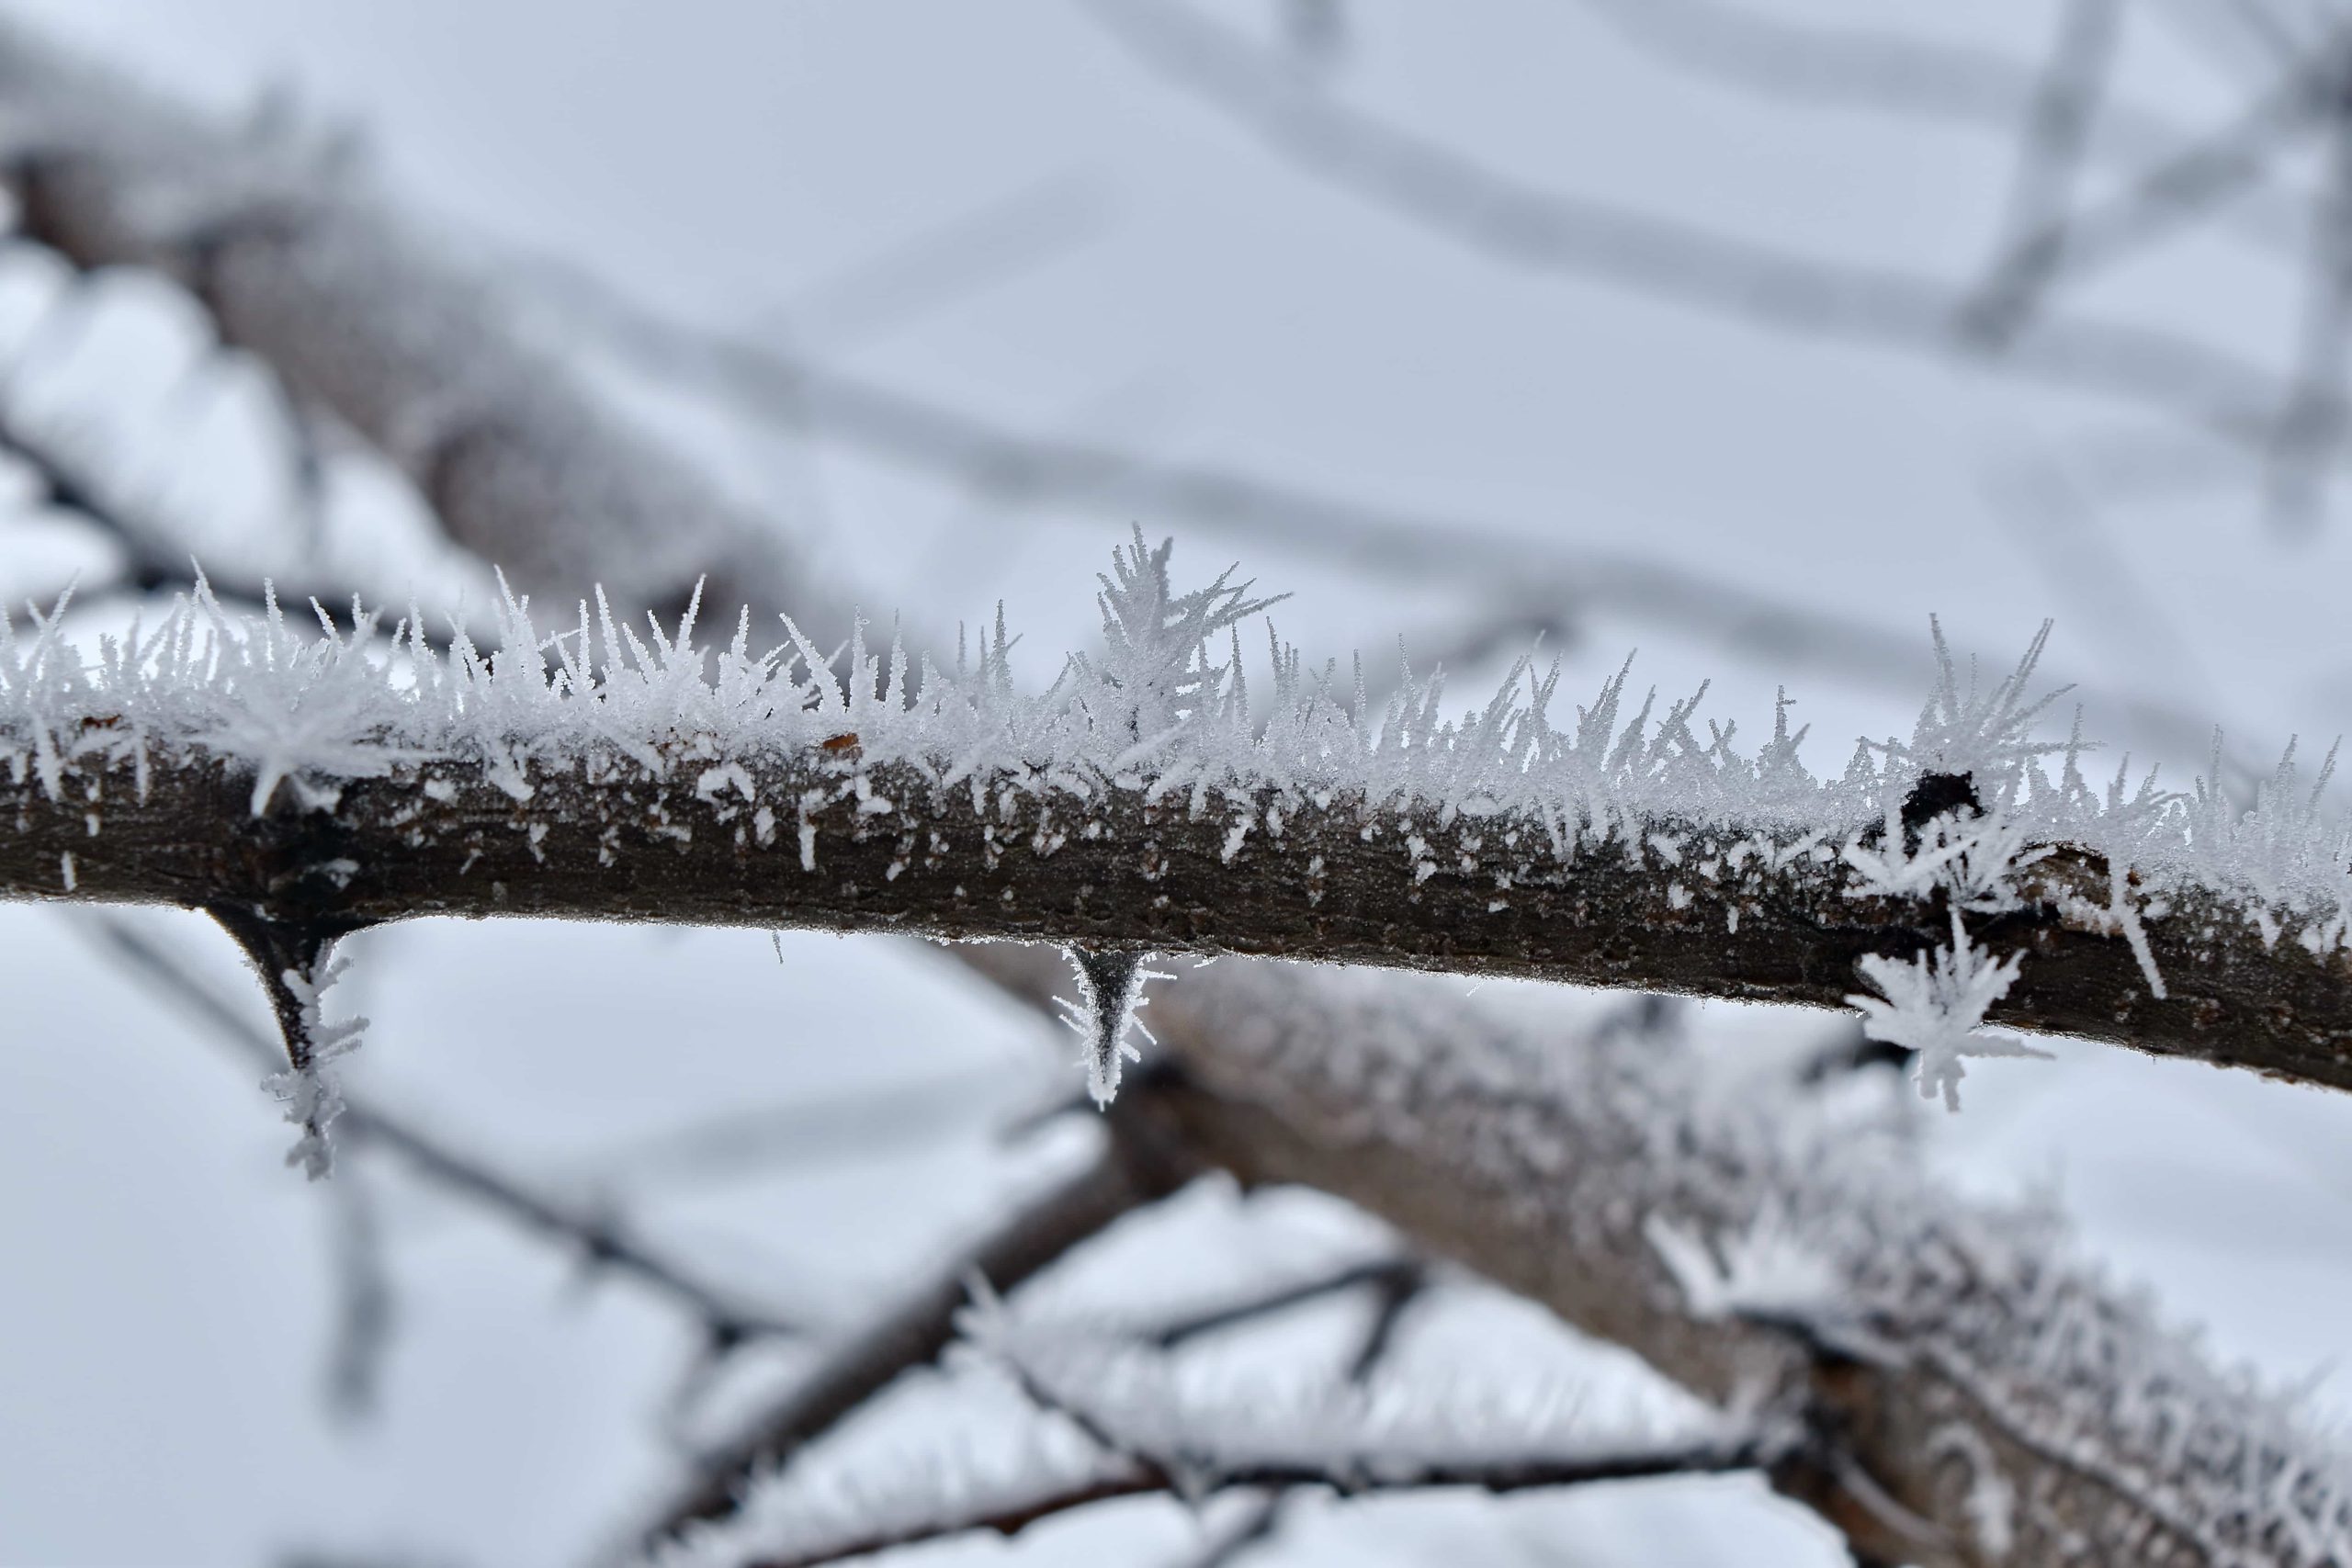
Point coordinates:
pixel 1489 318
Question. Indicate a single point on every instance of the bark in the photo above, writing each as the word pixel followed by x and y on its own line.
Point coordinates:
pixel 822 840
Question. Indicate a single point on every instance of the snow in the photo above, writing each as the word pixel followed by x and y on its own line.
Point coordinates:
pixel 1154 716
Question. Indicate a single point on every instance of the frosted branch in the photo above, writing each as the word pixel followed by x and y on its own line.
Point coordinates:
pixel 1985 1399
pixel 1129 1427
pixel 1137 1167
pixel 1154 800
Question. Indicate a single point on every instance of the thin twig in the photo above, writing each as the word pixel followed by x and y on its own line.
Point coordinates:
pixel 1494 215
pixel 1010 1516
pixel 726 1318
pixel 2310 431
pixel 2181 188
pixel 1395 1293
pixel 1385 1275
pixel 2056 137
pixel 1134 1168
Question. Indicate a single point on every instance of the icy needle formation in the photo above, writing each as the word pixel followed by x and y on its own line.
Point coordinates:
pixel 1153 799
pixel 1110 993
pixel 296 967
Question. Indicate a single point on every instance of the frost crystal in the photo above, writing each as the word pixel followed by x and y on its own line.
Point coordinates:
pixel 310 1088
pixel 1933 1005
pixel 1110 994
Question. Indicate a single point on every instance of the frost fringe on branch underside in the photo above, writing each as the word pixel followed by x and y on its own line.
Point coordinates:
pixel 1164 712
pixel 310 1087
pixel 1110 994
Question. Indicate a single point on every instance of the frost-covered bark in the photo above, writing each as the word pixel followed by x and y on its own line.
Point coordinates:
pixel 1147 802
pixel 1976 1397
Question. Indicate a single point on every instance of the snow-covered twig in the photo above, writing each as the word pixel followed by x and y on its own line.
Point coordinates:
pixel 298 964
pixel 609 771
pixel 1139 1431
pixel 1137 1167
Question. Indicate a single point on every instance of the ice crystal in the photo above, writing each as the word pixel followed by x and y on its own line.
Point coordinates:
pixel 1935 1004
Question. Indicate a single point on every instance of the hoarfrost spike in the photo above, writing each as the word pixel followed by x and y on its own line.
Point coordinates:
pixel 1110 993
pixel 296 967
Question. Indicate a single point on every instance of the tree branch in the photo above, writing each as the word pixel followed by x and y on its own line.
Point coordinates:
pixel 814 839
pixel 724 1316
pixel 1494 215
pixel 1137 1166
pixel 1977 1398
pixel 420 360
pixel 1015 1510
pixel 1141 1431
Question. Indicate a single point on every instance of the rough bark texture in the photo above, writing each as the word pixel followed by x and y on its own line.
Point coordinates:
pixel 822 840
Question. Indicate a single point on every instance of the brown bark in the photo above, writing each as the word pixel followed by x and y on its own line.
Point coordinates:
pixel 886 849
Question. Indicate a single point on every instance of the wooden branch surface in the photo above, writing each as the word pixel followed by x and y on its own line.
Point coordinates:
pixel 822 841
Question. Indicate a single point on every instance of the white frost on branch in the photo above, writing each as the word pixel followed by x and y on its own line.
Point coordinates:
pixel 1974 857
pixel 309 1087
pixel 1152 715
pixel 1768 1272
pixel 1935 1004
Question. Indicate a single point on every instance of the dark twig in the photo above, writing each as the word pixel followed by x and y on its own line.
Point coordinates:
pixel 1135 1167
pixel 1395 1292
pixel 2171 194
pixel 1010 1516
pixel 726 1318
pixel 2057 133
pixel 1131 1466
pixel 1388 1276
pixel 1332 888
pixel 1498 216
